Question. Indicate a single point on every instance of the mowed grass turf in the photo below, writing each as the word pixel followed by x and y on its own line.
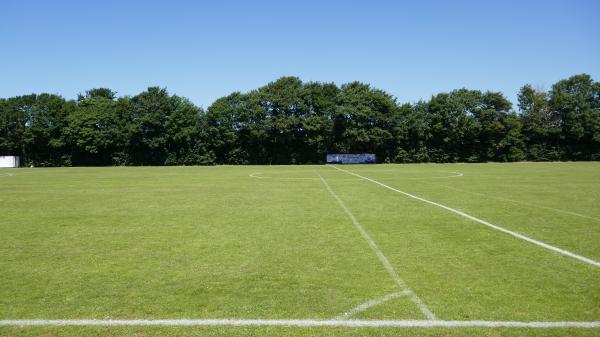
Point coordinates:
pixel 270 242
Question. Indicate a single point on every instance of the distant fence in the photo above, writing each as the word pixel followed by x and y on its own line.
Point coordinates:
pixel 9 161
pixel 351 158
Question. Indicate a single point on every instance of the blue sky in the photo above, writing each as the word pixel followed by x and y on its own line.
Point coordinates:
pixel 205 50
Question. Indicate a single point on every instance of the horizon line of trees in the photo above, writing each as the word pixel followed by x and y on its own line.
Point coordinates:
pixel 291 122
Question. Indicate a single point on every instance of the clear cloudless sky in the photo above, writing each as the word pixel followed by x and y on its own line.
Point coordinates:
pixel 207 49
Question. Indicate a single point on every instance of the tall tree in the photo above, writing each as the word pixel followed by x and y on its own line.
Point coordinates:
pixel 96 132
pixel 288 121
pixel 226 119
pixel 16 112
pixel 282 112
pixel 183 129
pixel 454 126
pixel 30 127
pixel 540 127
pixel 575 103
pixel 363 120
pixel 415 121
pixel 149 112
pixel 45 143
pixel 500 129
pixel 321 101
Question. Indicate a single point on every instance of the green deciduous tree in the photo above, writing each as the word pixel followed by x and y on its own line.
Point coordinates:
pixel 540 127
pixel 289 121
pixel 96 131
pixel 363 120
pixel 575 104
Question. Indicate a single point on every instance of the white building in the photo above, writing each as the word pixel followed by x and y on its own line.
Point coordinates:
pixel 9 161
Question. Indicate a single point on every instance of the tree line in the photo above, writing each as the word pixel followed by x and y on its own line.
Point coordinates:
pixel 291 122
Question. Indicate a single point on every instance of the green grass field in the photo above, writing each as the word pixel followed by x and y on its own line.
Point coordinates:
pixel 280 243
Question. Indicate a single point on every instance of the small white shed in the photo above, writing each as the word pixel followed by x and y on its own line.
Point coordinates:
pixel 9 161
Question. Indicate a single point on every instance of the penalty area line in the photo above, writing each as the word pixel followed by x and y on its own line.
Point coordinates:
pixel 295 323
pixel 483 222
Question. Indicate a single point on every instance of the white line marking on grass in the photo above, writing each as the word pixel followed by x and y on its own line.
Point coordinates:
pixel 386 263
pixel 371 303
pixel 483 222
pixel 522 203
pixel 295 323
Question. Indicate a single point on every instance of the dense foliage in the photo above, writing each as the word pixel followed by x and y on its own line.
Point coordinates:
pixel 288 121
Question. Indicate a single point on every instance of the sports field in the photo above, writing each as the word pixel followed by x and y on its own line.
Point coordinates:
pixel 360 250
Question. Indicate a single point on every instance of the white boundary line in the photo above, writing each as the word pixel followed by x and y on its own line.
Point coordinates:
pixel 386 263
pixel 483 222
pixel 295 323
pixel 522 203
pixel 371 304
